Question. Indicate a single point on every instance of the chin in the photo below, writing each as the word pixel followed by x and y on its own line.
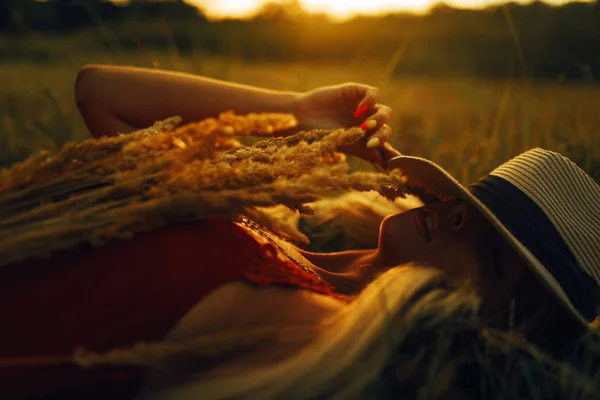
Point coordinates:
pixel 393 239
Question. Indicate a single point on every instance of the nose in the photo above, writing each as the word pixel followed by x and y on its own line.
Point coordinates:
pixel 459 216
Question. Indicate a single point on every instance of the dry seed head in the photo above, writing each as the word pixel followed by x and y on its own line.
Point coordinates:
pixel 112 188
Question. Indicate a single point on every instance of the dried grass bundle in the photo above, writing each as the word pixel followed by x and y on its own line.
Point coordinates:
pixel 113 188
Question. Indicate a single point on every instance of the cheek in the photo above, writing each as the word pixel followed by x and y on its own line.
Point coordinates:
pixel 392 226
pixel 397 239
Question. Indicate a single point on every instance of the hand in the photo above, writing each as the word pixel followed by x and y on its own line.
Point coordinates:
pixel 344 106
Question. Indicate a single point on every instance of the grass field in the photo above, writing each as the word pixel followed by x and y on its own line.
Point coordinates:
pixel 468 126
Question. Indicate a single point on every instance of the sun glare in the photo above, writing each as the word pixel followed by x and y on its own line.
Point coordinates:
pixel 339 9
pixel 228 8
pixel 348 8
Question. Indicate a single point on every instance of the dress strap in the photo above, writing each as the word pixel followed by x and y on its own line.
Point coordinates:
pixel 269 269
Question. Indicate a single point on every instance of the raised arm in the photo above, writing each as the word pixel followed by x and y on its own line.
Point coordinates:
pixel 116 99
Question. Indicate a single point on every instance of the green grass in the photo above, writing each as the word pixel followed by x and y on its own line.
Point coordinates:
pixel 467 125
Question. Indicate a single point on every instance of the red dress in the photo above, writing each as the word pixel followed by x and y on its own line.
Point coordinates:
pixel 120 294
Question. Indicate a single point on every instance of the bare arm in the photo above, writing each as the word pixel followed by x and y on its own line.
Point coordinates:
pixel 116 99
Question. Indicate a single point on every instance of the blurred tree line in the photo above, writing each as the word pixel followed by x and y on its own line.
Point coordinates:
pixel 534 40
pixel 60 16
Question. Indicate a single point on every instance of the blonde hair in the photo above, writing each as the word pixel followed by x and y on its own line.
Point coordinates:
pixel 354 349
pixel 355 216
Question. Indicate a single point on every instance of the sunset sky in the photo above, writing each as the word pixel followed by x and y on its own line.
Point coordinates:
pixel 339 9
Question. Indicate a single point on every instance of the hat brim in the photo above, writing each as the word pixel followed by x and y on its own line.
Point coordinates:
pixel 427 174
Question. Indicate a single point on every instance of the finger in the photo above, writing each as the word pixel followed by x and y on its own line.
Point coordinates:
pixel 369 100
pixel 376 122
pixel 384 134
pixel 379 138
pixel 374 156
pixel 388 152
pixel 381 115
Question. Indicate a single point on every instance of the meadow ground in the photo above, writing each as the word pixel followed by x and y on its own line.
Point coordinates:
pixel 468 126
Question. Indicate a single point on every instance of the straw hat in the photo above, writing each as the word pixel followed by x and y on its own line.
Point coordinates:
pixel 547 208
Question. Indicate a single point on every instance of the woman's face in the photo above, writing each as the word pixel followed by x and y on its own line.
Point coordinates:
pixel 454 237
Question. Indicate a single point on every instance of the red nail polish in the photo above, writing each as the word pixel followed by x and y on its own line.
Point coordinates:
pixel 368 125
pixel 361 110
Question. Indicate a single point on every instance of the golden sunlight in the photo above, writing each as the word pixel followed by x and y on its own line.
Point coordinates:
pixel 339 9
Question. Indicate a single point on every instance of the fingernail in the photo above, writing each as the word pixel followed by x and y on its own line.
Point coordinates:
pixel 373 142
pixel 370 124
pixel 361 110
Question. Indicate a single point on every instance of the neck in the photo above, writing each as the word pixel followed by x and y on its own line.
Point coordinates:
pixel 348 271
pixel 343 261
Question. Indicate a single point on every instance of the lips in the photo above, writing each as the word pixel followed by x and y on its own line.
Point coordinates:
pixel 426 223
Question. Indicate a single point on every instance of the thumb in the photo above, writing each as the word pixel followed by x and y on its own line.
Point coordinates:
pixel 388 152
